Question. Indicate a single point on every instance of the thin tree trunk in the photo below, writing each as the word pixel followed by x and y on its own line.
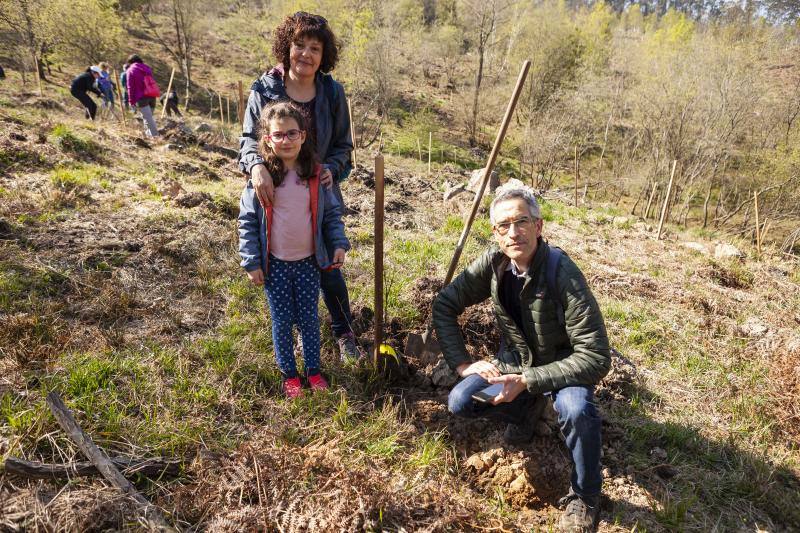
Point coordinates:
pixel 478 79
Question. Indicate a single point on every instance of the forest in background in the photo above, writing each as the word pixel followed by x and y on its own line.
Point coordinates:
pixel 630 87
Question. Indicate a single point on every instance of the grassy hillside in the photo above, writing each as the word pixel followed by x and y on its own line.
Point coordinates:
pixel 120 289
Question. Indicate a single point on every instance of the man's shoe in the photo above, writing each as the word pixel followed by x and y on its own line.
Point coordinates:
pixel 317 382
pixel 292 387
pixel 348 349
pixel 581 515
pixel 523 432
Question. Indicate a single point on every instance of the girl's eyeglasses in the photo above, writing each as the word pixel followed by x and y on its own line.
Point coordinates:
pixel 280 136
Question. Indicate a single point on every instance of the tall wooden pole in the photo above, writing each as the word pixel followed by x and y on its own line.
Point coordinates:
pixel 419 149
pixel 119 95
pixel 576 175
pixel 430 143
pixel 378 256
pixel 38 77
pixel 169 88
pixel 352 131
pixel 650 200
pixel 228 109
pixel 241 102
pixel 221 111
pixel 758 225
pixel 666 199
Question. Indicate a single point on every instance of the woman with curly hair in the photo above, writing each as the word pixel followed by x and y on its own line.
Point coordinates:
pixel 307 50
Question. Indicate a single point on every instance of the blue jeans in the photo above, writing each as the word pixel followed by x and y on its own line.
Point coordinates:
pixel 577 417
pixel 292 289
pixel 334 291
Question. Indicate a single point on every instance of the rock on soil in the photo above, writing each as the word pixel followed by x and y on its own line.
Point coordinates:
pixel 724 251
pixel 475 181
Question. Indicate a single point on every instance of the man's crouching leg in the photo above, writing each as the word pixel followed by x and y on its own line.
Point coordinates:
pixel 521 414
pixel 460 401
pixel 580 425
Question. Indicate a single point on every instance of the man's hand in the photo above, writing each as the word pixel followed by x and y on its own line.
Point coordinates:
pixel 256 276
pixel 326 178
pixel 339 255
pixel 262 183
pixel 484 368
pixel 513 385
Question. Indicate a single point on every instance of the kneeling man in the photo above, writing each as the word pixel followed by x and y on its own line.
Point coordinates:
pixel 553 342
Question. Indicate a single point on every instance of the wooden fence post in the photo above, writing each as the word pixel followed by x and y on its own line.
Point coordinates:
pixel 758 225
pixel 221 111
pixel 122 105
pixel 352 131
pixel 241 103
pixel 430 143
pixel 666 198
pixel 169 88
pixel 650 200
pixel 36 70
pixel 576 175
pixel 378 257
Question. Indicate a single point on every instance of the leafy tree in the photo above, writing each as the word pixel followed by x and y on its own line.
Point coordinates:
pixel 22 30
pixel 83 31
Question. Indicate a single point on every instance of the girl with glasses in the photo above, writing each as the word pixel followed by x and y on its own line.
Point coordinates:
pixel 286 245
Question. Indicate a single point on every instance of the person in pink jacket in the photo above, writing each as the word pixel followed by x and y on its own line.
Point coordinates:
pixel 137 93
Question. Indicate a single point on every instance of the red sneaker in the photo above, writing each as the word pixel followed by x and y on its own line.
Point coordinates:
pixel 292 387
pixel 317 382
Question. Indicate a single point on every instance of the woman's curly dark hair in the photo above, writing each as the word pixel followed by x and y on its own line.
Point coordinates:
pixel 301 25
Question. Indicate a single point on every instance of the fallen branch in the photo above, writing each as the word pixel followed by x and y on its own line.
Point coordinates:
pixel 151 514
pixel 37 470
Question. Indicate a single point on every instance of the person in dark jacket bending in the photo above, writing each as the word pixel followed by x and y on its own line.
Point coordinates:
pixel 541 353
pixel 307 50
pixel 84 84
pixel 170 103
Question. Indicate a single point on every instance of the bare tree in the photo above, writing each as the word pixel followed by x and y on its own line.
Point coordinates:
pixel 184 28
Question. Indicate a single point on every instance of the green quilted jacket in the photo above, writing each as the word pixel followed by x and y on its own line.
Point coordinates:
pixel 553 356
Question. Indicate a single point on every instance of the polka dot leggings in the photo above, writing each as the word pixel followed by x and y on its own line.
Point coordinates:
pixel 292 289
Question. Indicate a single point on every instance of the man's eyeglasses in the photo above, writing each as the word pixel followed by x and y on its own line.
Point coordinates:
pixel 306 14
pixel 521 224
pixel 280 136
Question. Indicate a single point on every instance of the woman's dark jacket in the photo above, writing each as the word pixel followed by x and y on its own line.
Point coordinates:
pixel 84 83
pixel 334 142
pixel 549 355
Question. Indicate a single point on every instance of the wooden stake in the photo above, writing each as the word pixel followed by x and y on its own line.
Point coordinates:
pixel 650 200
pixel 666 199
pixel 241 103
pixel 119 95
pixel 221 112
pixel 419 149
pixel 378 256
pixel 352 132
pixel 67 422
pixel 228 109
pixel 758 225
pixel 576 175
pixel 430 144
pixel 36 70
pixel 169 88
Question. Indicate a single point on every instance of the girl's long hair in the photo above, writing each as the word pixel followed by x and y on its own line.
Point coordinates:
pixel 306 159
